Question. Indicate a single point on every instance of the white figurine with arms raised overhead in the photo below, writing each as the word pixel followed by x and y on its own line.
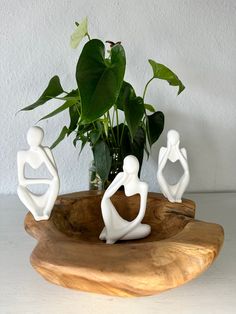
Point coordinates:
pixel 39 205
pixel 116 228
pixel 173 153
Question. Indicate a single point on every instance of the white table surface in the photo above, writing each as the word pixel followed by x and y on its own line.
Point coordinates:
pixel 23 290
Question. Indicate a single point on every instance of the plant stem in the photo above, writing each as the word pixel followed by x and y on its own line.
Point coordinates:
pixel 113 115
pixel 145 113
pixel 117 124
pixel 104 126
pixel 145 88
pixel 122 132
pixel 94 125
pixel 77 108
pixel 89 38
pixel 111 127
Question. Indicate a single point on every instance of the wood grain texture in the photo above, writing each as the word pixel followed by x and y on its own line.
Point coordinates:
pixel 70 254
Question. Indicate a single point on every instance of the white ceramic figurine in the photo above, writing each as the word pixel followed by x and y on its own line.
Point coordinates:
pixel 173 153
pixel 116 228
pixel 39 205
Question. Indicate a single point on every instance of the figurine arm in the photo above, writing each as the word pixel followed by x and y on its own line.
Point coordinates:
pixel 20 169
pixel 143 200
pixel 183 158
pixel 115 185
pixel 50 155
pixel 163 157
pixel 21 177
pixel 49 163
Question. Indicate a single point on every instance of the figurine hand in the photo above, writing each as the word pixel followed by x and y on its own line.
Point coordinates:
pixel 176 150
pixel 125 176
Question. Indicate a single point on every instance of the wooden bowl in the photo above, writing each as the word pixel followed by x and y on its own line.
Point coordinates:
pixel 69 252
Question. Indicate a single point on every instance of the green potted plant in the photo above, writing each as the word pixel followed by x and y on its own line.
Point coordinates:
pixel 104 109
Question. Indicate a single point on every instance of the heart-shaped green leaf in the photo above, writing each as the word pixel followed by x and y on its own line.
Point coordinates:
pixel 74 117
pixel 132 105
pixel 53 89
pixel 126 92
pixel 81 135
pixel 149 107
pixel 160 71
pixel 134 110
pixel 135 147
pixel 63 107
pixel 94 136
pixel 80 32
pixel 99 80
pixel 155 126
pixel 61 137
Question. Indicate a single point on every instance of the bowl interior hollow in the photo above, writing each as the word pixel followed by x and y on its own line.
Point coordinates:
pixel 81 217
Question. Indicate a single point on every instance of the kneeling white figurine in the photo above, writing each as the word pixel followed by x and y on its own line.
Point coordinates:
pixel 39 205
pixel 116 228
pixel 173 153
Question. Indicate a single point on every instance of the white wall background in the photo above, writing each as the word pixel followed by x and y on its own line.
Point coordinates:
pixel 196 39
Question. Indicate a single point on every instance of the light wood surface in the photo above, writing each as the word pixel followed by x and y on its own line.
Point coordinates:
pixel 70 254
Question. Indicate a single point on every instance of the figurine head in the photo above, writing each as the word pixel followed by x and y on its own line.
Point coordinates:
pixel 131 165
pixel 172 137
pixel 35 136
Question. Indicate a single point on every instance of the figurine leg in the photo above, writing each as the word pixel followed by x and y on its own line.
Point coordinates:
pixel 109 241
pixel 103 234
pixel 103 237
pixel 140 231
pixel 182 185
pixel 27 200
pixel 164 186
pixel 51 196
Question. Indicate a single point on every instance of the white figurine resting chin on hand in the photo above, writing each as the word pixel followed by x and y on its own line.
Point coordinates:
pixel 173 153
pixel 39 205
pixel 116 228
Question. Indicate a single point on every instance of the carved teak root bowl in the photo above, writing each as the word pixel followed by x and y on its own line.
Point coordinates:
pixel 69 252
